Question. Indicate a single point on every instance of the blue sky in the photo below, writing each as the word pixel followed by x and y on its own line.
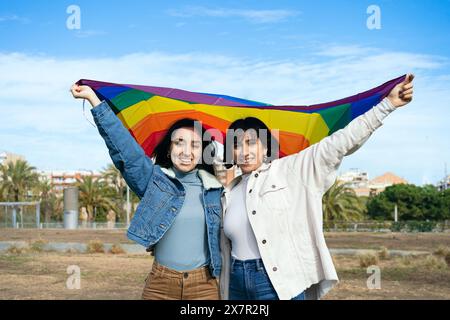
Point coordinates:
pixel 293 52
pixel 221 27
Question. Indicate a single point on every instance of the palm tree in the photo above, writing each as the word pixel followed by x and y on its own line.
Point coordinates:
pixel 17 179
pixel 340 203
pixel 51 203
pixel 117 185
pixel 116 181
pixel 92 196
pixel 55 205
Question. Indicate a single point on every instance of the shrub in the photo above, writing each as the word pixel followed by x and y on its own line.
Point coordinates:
pixel 38 245
pixel 16 250
pixel 368 259
pixel 383 254
pixel 442 251
pixel 447 259
pixel 433 262
pixel 406 260
pixel 95 246
pixel 413 226
pixel 116 249
pixel 421 226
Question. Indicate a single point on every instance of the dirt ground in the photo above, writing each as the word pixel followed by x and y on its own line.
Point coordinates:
pixel 356 240
pixel 107 276
pixel 43 275
pixel 61 235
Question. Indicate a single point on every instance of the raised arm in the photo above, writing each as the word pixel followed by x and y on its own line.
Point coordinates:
pixel 127 155
pixel 318 164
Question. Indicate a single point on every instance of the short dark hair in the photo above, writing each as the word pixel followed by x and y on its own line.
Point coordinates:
pixel 247 124
pixel 162 149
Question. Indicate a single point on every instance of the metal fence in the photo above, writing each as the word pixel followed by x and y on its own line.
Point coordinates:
pixel 60 225
pixel 387 226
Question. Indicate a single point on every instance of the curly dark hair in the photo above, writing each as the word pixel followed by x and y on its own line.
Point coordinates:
pixel 162 149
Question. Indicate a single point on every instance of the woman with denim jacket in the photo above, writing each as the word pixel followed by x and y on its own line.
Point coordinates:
pixel 272 241
pixel 178 217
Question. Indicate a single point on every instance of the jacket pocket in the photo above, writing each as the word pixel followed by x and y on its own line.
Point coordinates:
pixel 274 195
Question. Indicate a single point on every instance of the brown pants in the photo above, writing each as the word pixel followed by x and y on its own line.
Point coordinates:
pixel 163 283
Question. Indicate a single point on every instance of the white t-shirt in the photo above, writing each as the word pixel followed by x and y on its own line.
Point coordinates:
pixel 236 225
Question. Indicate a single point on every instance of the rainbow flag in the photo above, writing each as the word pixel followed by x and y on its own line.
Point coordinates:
pixel 147 112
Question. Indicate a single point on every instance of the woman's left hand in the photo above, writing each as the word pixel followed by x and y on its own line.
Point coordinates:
pixel 402 93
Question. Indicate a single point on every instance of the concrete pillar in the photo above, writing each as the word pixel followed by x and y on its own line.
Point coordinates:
pixel 14 217
pixel 71 208
pixel 38 214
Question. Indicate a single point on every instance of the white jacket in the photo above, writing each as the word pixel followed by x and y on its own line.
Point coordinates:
pixel 284 206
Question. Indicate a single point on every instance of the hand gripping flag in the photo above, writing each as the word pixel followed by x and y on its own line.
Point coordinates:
pixel 147 112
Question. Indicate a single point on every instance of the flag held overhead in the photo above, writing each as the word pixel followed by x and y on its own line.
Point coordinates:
pixel 148 111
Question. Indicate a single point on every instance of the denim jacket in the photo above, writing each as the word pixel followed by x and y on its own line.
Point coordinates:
pixel 161 193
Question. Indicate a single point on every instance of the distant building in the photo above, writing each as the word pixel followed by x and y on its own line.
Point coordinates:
pixel 62 179
pixel 354 178
pixel 9 156
pixel 379 184
pixel 359 181
pixel 444 184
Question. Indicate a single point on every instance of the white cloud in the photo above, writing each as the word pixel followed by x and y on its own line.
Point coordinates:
pixel 255 16
pixel 89 33
pixel 40 119
pixel 13 18
pixel 341 50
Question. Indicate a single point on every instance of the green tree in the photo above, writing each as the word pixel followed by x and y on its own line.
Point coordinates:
pixel 17 179
pixel 413 203
pixel 93 196
pixel 340 203
pixel 117 189
pixel 445 199
pixel 118 192
pixel 51 203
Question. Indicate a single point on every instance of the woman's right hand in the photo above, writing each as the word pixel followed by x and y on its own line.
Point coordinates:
pixel 85 92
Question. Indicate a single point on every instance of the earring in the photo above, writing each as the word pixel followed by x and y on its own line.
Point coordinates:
pixel 265 159
pixel 168 155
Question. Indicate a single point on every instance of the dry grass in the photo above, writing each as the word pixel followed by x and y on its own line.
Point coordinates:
pixel 43 275
pixel 383 254
pixel 72 251
pixel 116 249
pixel 412 277
pixel 432 262
pixel 38 245
pixel 17 250
pixel 34 274
pixel 444 252
pixel 426 241
pixel 95 246
pixel 368 259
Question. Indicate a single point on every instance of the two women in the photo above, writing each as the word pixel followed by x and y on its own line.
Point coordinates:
pixel 271 239
pixel 179 214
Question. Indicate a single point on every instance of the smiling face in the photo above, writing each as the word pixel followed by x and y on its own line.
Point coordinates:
pixel 249 152
pixel 185 149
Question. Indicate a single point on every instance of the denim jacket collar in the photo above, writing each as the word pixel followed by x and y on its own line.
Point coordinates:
pixel 208 180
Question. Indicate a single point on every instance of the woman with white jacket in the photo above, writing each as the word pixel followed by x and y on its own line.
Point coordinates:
pixel 272 242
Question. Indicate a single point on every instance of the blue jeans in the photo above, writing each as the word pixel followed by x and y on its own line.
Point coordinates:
pixel 249 281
